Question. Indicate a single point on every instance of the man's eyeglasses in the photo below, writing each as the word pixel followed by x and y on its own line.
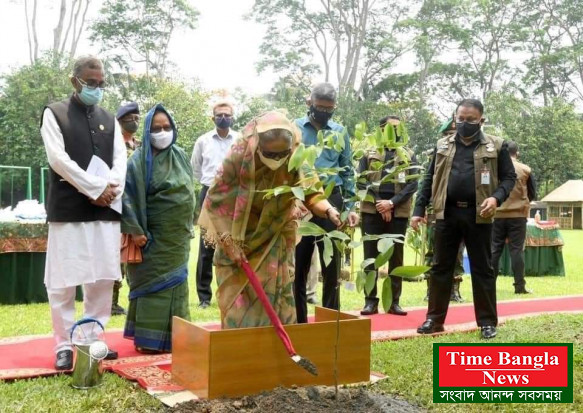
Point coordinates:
pixel 130 118
pixel 223 115
pixel 325 109
pixel 92 85
pixel 276 155
pixel 158 129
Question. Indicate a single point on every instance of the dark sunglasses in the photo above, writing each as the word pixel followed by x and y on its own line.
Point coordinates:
pixel 276 155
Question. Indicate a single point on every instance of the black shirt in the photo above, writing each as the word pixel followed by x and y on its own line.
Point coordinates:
pixel 460 188
pixel 506 177
pixel 387 190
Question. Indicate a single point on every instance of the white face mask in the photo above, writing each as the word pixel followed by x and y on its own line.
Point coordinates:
pixel 162 139
pixel 272 164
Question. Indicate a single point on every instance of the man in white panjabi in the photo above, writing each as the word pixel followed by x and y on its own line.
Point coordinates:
pixel 82 204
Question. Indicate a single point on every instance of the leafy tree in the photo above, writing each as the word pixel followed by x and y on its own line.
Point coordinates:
pixel 547 70
pixel 550 137
pixel 140 31
pixel 248 108
pixel 353 40
pixel 67 32
pixel 25 93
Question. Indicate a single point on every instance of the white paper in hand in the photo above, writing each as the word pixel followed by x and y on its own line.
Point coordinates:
pixel 98 167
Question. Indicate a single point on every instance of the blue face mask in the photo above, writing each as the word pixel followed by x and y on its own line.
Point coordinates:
pixel 223 122
pixel 91 97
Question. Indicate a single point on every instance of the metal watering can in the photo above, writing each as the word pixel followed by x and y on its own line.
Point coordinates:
pixel 91 350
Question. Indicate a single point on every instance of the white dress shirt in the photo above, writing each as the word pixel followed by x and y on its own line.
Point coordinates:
pixel 82 252
pixel 208 154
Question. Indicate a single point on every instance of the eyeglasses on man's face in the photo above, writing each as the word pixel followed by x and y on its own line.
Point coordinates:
pixel 92 84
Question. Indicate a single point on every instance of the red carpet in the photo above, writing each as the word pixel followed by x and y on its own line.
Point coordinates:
pixel 32 356
pixel 462 318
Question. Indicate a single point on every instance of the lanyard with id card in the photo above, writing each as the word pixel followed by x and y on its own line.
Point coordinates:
pixel 485 174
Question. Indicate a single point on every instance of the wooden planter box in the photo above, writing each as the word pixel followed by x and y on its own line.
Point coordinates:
pixel 238 362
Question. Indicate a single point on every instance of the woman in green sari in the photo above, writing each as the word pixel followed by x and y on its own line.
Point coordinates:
pixel 244 225
pixel 158 208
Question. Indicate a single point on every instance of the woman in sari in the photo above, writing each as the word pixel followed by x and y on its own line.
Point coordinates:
pixel 244 225
pixel 158 208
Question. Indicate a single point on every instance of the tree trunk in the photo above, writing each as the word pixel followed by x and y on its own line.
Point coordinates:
pixel 34 35
pixel 363 20
pixel 58 31
pixel 28 32
pixel 75 20
pixel 64 43
pixel 77 37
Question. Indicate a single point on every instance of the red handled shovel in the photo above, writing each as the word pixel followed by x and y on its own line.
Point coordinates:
pixel 281 333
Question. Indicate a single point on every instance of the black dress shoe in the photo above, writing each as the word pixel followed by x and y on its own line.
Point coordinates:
pixel 111 355
pixel 397 310
pixel 312 300
pixel 64 360
pixel 430 327
pixel 522 291
pixel 117 309
pixel 204 304
pixel 488 332
pixel 370 309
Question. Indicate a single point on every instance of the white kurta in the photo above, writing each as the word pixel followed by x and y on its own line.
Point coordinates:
pixel 82 252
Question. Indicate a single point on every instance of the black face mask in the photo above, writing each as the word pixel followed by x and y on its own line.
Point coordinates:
pixel 321 118
pixel 467 130
pixel 131 126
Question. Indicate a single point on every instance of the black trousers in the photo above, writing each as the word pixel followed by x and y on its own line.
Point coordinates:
pixel 204 266
pixel 460 224
pixel 330 273
pixel 513 229
pixel 373 224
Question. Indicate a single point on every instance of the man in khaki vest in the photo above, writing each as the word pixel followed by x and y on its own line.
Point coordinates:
pixel 447 129
pixel 510 221
pixel 470 175
pixel 389 214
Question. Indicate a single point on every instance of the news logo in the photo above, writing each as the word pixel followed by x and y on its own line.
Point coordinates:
pixel 503 373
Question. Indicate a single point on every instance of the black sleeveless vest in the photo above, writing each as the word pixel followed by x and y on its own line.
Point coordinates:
pixel 87 131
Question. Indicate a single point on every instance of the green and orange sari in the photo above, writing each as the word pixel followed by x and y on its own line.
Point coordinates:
pixel 236 210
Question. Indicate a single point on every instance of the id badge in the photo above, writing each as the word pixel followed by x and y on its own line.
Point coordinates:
pixel 485 177
pixel 402 178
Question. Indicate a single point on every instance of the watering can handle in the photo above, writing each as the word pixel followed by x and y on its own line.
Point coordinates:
pixel 85 321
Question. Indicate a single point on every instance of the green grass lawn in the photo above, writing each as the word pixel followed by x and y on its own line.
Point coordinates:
pixel 409 376
pixel 409 363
